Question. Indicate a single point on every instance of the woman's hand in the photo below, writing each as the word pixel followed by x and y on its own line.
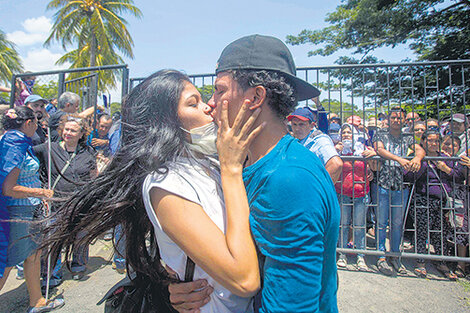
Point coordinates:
pixel 233 142
pixel 465 161
pixel 369 152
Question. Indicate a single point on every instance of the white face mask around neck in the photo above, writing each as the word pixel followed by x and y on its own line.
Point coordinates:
pixel 203 139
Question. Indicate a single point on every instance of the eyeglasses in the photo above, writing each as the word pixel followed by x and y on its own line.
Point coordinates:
pixel 411 119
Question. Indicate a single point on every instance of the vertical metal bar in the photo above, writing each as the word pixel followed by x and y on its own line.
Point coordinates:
pixel 125 82
pixel 61 87
pixel 13 91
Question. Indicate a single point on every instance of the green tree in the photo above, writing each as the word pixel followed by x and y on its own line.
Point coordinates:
pixel 206 92
pixel 96 30
pixel 115 107
pixel 47 91
pixel 434 29
pixel 10 62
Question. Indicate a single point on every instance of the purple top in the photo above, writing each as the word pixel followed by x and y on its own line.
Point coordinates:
pixel 427 182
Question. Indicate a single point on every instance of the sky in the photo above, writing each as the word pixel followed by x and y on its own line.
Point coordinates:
pixel 184 35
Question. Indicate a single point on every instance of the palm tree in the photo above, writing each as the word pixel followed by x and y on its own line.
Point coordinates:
pixel 95 29
pixel 10 61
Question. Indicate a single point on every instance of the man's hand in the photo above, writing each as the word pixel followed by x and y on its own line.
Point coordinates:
pixel 415 164
pixel 95 142
pixel 190 297
pixel 404 163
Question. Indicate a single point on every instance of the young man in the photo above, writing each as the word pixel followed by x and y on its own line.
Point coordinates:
pixel 37 103
pixel 294 210
pixel 303 128
pixel 99 138
pixel 394 146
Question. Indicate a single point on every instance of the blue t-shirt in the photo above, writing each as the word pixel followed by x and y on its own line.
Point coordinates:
pixel 294 218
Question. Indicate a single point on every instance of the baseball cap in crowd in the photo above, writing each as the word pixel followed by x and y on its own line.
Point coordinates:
pixel 459 118
pixel 303 114
pixel 258 52
pixel 34 98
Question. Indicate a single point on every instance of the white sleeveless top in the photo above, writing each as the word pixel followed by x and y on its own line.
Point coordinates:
pixel 189 180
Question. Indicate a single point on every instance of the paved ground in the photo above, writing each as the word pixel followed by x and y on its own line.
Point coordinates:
pixel 359 291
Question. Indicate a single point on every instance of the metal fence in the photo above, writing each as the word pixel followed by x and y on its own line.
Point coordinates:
pixel 431 89
pixel 88 83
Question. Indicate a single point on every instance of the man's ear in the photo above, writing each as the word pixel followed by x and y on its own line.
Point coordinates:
pixel 257 97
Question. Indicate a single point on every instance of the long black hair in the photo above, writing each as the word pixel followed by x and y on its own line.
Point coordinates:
pixel 151 136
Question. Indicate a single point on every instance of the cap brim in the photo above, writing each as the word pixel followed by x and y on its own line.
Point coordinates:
pixel 302 118
pixel 304 89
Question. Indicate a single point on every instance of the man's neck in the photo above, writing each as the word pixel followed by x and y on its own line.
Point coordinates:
pixel 267 139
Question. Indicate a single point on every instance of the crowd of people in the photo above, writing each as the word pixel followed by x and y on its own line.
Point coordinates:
pixel 36 171
pixel 223 189
pixel 385 183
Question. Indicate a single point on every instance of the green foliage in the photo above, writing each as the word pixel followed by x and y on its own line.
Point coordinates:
pixel 115 107
pixel 206 92
pixel 434 29
pixel 47 91
pixel 97 31
pixel 10 62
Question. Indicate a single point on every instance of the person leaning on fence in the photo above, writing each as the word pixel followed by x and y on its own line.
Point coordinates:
pixel 393 146
pixel 303 128
pixel 352 194
pixel 68 102
pixel 429 199
pixel 20 200
pixel 450 147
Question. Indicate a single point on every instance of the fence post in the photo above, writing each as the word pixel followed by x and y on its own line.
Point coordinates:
pixel 61 87
pixel 125 82
pixel 13 91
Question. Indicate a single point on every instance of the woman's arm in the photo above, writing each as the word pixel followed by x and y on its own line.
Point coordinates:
pixel 230 259
pixel 11 189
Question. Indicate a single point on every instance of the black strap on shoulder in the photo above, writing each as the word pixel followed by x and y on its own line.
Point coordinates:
pixel 189 272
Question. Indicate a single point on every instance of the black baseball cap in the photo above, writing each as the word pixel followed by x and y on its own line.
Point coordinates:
pixel 258 52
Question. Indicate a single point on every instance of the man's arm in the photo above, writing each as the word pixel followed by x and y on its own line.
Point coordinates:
pixel 322 116
pixel 384 153
pixel 334 167
pixel 89 112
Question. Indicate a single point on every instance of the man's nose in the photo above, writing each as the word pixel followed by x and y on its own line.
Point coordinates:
pixel 211 102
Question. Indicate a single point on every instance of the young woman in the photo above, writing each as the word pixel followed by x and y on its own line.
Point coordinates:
pixel 164 183
pixel 20 199
pixel 73 163
pixel 429 199
pixel 352 194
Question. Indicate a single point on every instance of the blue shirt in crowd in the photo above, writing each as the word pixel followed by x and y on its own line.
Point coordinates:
pixel 320 144
pixel 294 218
